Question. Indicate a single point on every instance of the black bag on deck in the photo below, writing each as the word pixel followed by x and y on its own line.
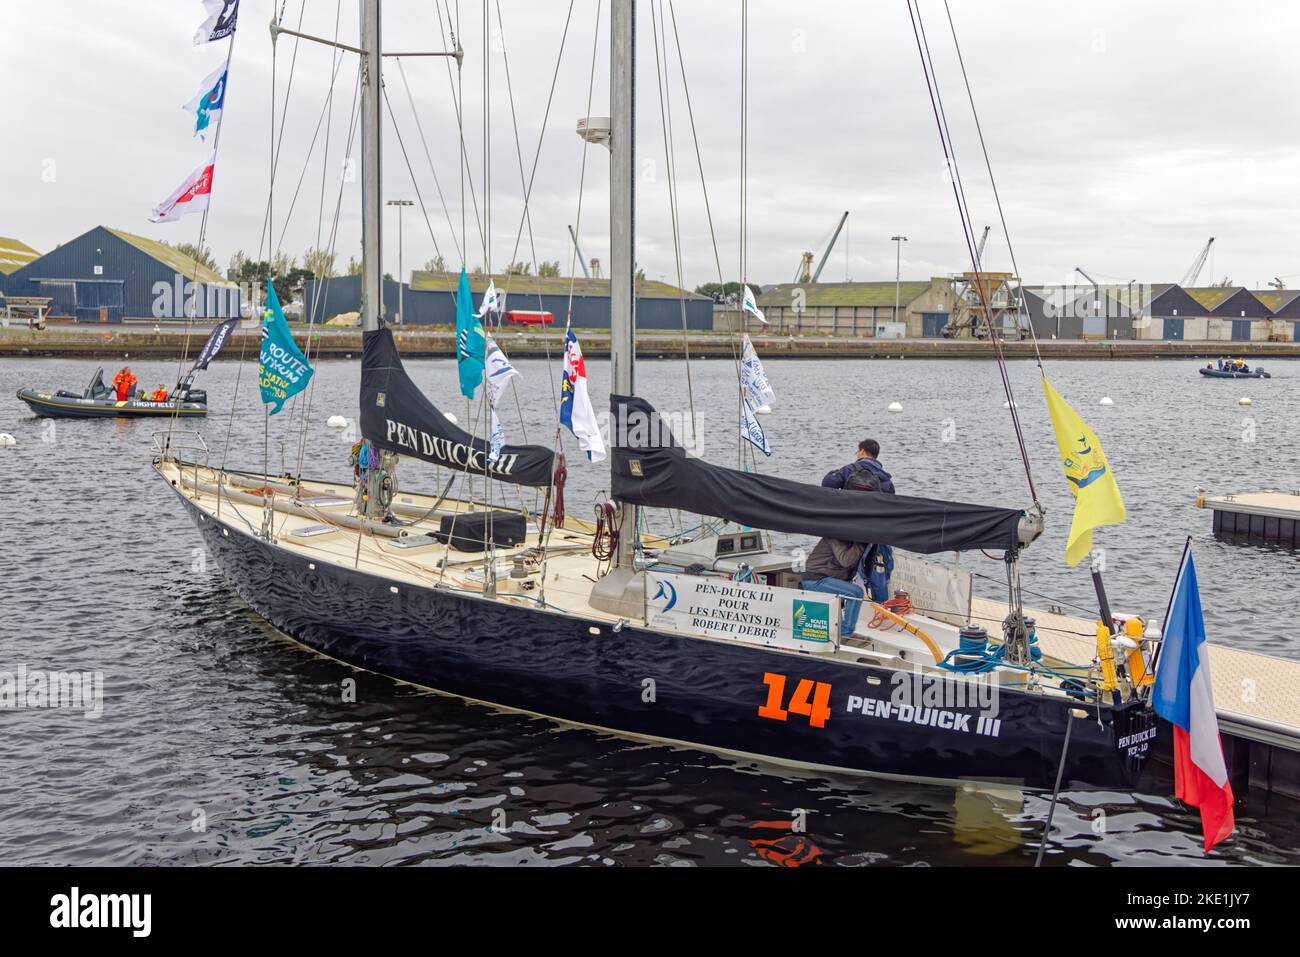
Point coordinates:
pixel 472 529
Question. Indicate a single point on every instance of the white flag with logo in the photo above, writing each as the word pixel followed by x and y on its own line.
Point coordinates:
pixel 208 103
pixel 220 23
pixel 491 301
pixel 752 376
pixel 499 372
pixel 750 305
pixel 751 430
pixel 189 197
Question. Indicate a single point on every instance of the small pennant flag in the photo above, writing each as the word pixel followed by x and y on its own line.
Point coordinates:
pixel 208 102
pixel 216 340
pixel 750 305
pixel 750 429
pixel 491 301
pixel 752 376
pixel 283 370
pixel 499 374
pixel 469 340
pixel 576 413
pixel 220 23
pixel 190 197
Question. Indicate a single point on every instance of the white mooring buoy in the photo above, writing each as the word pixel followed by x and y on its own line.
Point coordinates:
pixel 764 409
pixel 7 441
pixel 895 407
pixel 1244 401
pixel 1106 400
pixel 337 422
pixel 450 418
pixel 1010 405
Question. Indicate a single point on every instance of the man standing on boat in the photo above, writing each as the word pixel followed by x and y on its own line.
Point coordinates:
pixel 864 473
pixel 124 382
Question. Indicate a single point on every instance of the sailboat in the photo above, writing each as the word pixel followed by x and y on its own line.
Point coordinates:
pixel 708 643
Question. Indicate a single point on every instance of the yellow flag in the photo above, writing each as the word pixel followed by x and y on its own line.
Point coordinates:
pixel 1096 496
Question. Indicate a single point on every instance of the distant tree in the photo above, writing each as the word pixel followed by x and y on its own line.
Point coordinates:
pixel 550 269
pixel 477 271
pixel 318 262
pixel 520 268
pixel 388 277
pixel 640 275
pixel 721 293
pixel 201 255
pixel 237 263
pixel 354 266
pixel 436 264
pixel 282 264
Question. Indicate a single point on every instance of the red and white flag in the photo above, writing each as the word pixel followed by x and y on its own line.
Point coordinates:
pixel 190 197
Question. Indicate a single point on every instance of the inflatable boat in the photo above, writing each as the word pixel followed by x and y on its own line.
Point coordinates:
pixel 100 401
pixel 1231 374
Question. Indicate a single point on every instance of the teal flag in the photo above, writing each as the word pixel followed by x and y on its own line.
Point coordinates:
pixel 471 346
pixel 283 370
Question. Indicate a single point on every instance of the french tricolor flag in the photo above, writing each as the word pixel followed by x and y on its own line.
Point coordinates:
pixel 1183 696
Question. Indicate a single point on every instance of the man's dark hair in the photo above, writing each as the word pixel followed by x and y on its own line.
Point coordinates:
pixel 871 447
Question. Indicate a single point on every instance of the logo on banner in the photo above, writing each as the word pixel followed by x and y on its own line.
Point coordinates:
pixel 812 620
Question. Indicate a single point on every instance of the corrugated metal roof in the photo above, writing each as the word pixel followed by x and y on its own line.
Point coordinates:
pixel 15 255
pixel 1212 296
pixel 845 293
pixel 546 286
pixel 173 259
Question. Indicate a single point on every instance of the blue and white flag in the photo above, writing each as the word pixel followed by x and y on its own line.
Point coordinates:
pixel 499 374
pixel 753 378
pixel 751 431
pixel 208 102
pixel 283 370
pixel 750 305
pixel 220 23
pixel 576 413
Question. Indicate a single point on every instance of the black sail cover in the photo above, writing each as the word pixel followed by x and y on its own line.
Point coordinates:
pixel 397 417
pixel 651 468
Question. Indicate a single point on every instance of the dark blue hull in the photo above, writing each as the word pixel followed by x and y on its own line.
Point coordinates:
pixel 697 692
pixel 68 407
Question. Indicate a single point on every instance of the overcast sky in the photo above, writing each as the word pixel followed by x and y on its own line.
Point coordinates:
pixel 1122 134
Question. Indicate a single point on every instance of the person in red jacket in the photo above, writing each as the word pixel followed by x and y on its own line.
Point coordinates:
pixel 124 382
pixel 159 394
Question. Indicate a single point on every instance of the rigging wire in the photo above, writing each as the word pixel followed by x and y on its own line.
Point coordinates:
pixel 932 89
pixel 997 198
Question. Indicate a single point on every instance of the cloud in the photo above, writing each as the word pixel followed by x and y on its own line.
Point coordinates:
pixel 1121 135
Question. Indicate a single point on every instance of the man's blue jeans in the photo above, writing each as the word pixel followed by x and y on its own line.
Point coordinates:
pixel 851 591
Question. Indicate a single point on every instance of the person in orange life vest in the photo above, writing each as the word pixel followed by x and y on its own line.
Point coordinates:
pixel 124 382
pixel 159 394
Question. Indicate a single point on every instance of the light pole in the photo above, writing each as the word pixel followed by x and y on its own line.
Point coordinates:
pixel 399 203
pixel 898 261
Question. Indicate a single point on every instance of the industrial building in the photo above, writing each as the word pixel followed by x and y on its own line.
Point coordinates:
pixel 430 300
pixel 108 275
pixel 866 309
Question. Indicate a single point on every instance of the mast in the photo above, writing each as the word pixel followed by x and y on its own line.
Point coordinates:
pixel 622 224
pixel 372 269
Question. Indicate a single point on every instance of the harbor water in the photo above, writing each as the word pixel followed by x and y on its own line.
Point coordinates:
pixel 220 741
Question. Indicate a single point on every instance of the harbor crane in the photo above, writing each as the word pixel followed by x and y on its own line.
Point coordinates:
pixel 578 249
pixel 1189 279
pixel 1277 283
pixel 979 250
pixel 806 274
